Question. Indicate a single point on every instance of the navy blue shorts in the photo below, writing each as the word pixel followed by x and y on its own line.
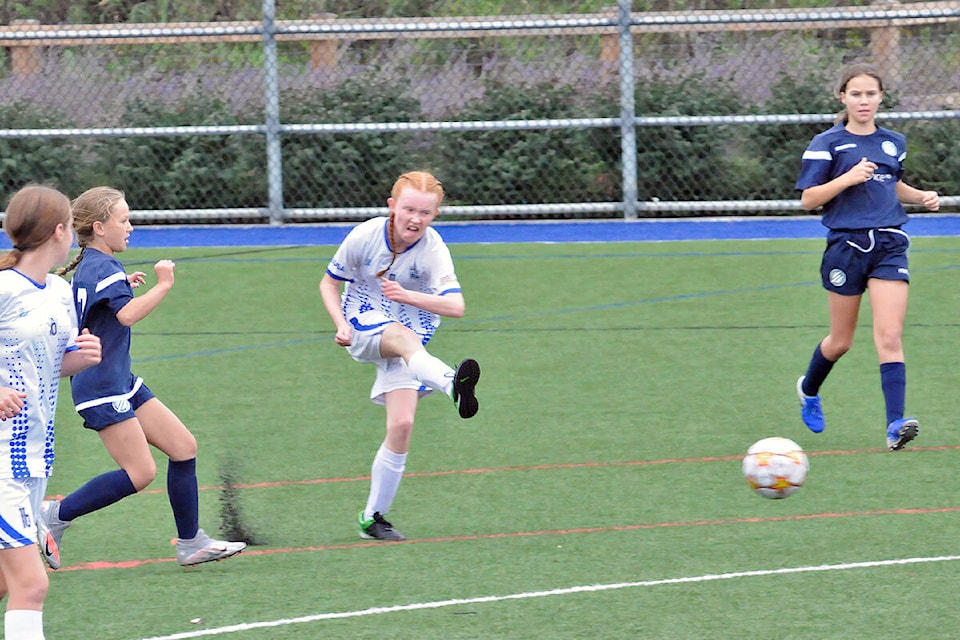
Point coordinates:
pixel 852 257
pixel 103 415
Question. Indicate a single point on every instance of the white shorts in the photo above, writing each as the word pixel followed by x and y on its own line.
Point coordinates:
pixel 20 501
pixel 392 373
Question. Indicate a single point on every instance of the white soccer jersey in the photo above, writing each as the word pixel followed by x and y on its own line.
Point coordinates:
pixel 38 324
pixel 426 267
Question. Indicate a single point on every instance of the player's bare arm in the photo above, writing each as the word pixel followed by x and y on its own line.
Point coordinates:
pixel 330 294
pixel 141 306
pixel 911 195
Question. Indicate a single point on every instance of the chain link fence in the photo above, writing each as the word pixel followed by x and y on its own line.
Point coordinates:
pixel 590 112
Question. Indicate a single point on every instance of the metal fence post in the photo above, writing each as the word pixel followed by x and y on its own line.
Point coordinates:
pixel 628 130
pixel 272 115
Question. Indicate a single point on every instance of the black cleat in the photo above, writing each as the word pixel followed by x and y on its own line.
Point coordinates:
pixel 378 529
pixel 464 383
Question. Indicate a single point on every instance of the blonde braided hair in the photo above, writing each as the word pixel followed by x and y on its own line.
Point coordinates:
pixel 93 205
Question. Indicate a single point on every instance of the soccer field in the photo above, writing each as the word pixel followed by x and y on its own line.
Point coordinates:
pixel 598 492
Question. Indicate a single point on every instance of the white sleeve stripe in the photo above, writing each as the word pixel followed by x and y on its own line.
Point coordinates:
pixel 106 282
pixel 817 155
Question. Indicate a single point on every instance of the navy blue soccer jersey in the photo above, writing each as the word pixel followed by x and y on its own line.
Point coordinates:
pixel 100 290
pixel 870 205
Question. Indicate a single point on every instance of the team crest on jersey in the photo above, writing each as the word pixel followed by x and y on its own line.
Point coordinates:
pixel 889 148
pixel 837 277
pixel 121 406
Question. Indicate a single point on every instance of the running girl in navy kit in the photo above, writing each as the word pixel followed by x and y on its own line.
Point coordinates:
pixel 113 401
pixel 854 171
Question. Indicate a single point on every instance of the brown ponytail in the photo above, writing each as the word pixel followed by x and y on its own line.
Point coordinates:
pixel 33 214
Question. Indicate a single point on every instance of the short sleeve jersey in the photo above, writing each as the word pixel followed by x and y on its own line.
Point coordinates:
pixel 37 327
pixel 426 266
pixel 100 290
pixel 870 205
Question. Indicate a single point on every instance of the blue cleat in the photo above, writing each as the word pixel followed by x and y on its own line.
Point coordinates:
pixel 810 409
pixel 900 432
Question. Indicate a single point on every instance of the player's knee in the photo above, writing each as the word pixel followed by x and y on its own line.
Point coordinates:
pixel 836 346
pixel 35 590
pixel 842 348
pixel 187 447
pixel 143 473
pixel 400 427
pixel 888 341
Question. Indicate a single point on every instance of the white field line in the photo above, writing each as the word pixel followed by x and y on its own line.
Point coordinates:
pixel 541 594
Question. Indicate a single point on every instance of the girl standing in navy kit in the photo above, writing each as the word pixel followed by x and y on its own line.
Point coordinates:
pixel 115 402
pixel 854 171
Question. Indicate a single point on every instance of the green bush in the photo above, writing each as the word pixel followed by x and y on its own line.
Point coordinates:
pixel 532 165
pixel 318 169
pixel 185 171
pixel 680 162
pixel 772 153
pixel 933 155
pixel 523 166
pixel 55 161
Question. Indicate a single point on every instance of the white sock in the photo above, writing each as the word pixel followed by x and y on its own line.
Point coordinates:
pixel 432 371
pixel 384 481
pixel 23 624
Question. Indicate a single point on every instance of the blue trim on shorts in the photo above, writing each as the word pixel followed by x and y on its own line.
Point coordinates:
pixel 18 538
pixel 364 327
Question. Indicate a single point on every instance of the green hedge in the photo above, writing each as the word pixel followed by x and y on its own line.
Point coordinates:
pixel 319 169
pixel 185 172
pixel 61 162
pixel 478 167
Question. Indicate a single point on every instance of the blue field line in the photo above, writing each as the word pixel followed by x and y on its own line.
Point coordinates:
pixel 483 321
pixel 246 347
pixel 644 230
pixel 680 297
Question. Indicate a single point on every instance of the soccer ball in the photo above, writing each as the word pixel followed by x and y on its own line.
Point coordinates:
pixel 775 467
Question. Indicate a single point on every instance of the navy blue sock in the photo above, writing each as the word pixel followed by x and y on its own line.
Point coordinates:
pixel 97 493
pixel 893 380
pixel 816 373
pixel 183 493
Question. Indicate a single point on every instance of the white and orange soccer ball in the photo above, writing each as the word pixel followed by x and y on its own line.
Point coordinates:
pixel 775 467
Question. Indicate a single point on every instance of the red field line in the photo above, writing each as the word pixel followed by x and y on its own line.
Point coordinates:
pixel 548 467
pixel 129 564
